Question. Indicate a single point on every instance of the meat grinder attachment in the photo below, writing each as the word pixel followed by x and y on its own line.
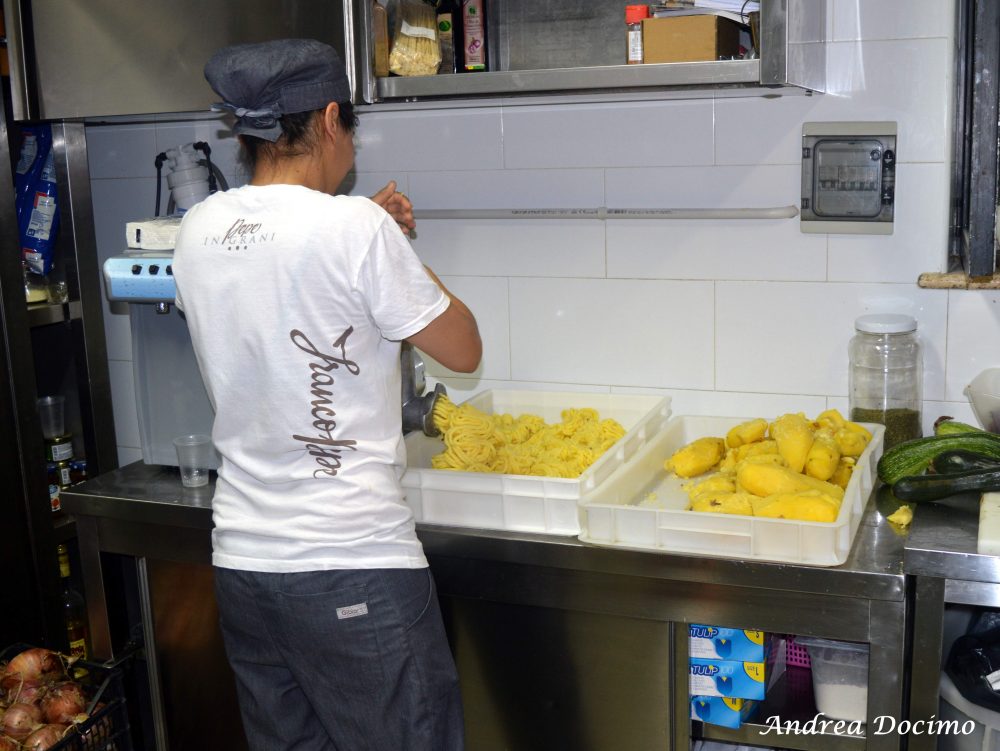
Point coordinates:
pixel 418 407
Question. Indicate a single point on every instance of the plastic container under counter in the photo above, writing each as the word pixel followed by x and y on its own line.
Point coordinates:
pixel 985 735
pixel 521 502
pixel 840 677
pixel 645 507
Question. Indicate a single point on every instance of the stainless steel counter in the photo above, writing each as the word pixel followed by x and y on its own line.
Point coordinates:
pixel 614 594
pixel 941 554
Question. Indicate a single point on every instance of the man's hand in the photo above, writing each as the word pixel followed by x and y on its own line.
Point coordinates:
pixel 397 205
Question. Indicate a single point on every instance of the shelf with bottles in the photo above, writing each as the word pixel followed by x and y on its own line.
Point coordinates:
pixel 553 47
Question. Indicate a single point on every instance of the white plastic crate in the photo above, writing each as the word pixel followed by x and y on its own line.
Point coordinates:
pixel 523 502
pixel 643 506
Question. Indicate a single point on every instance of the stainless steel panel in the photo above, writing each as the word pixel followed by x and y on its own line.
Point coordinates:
pixel 686 76
pixel 556 34
pixel 793 43
pixel 198 703
pixel 545 678
pixel 107 57
pixel 579 45
pixel 170 395
pixel 22 91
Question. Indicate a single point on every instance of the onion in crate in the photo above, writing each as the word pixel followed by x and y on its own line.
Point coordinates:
pixel 31 665
pixel 63 702
pixel 19 720
pixel 44 737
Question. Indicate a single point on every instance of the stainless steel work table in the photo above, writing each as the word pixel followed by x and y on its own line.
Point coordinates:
pixel 624 602
pixel 940 553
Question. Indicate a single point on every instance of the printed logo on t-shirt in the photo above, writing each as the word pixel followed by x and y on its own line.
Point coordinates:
pixel 241 235
pixel 323 446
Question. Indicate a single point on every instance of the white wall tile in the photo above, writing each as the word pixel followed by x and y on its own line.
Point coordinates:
pixel 116 202
pixel 121 150
pixel 509 189
pixel 123 404
pixel 730 404
pixel 638 333
pixel 973 337
pixel 463 389
pixel 919 239
pixel 909 82
pixel 892 19
pixel 536 247
pixel 756 186
pixel 620 134
pixel 772 249
pixel 370 183
pixel 792 338
pixel 127 455
pixel 762 131
pixel 487 299
pixel 438 139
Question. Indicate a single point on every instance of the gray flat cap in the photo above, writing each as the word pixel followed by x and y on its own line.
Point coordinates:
pixel 260 82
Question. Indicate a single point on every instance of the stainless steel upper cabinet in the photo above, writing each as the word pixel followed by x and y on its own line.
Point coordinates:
pixel 554 46
pixel 91 58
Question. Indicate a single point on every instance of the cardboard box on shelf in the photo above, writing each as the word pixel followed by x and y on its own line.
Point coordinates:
pixel 731 679
pixel 716 710
pixel 717 642
pixel 686 39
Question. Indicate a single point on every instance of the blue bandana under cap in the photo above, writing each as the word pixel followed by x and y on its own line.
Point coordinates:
pixel 261 82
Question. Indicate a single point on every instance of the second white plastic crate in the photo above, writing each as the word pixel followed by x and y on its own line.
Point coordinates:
pixel 523 502
pixel 643 506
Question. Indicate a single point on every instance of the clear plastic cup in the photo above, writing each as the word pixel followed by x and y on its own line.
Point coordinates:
pixel 52 410
pixel 195 457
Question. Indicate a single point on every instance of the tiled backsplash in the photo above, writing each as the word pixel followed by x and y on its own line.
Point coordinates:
pixel 734 317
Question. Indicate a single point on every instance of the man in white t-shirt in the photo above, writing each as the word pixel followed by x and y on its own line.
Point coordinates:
pixel 297 301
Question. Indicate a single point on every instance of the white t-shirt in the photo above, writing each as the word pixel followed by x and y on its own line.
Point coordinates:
pixel 296 302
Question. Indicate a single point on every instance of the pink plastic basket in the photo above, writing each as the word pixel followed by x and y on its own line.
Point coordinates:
pixel 795 654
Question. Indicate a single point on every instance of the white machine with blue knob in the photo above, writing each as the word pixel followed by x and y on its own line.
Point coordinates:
pixel 144 273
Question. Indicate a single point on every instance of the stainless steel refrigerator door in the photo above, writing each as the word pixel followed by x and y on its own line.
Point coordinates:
pixel 96 58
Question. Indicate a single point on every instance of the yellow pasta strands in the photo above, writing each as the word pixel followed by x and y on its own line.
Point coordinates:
pixel 524 445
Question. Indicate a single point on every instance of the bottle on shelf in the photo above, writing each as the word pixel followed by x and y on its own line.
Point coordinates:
pixel 74 608
pixel 449 23
pixel 474 36
pixel 380 25
pixel 633 24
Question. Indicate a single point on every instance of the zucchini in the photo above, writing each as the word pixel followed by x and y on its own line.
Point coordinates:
pixel 913 457
pixel 960 460
pixel 951 426
pixel 934 487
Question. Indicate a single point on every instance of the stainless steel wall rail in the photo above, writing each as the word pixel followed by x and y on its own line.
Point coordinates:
pixel 605 213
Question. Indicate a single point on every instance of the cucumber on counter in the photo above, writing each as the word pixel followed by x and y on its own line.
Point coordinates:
pixel 914 457
pixel 934 487
pixel 960 460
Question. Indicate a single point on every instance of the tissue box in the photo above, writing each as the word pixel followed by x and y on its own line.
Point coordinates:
pixel 727 713
pixel 715 642
pixel 731 679
pixel 688 39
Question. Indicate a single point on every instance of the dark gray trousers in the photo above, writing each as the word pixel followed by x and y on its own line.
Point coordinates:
pixel 349 660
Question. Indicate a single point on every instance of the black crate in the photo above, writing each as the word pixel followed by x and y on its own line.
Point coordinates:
pixel 107 728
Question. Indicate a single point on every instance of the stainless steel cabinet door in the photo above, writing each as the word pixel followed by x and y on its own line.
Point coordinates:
pixel 95 58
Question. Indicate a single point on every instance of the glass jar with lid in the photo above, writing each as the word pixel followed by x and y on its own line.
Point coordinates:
pixel 886 375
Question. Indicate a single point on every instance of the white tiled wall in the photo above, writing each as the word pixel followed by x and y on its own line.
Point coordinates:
pixel 734 317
